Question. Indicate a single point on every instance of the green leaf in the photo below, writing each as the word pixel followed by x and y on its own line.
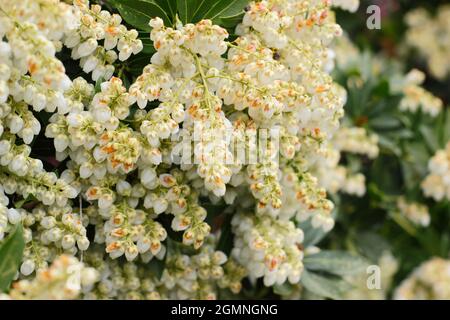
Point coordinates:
pixel 226 9
pixel 385 122
pixel 137 64
pixel 169 6
pixel 336 262
pixel 312 235
pixel 382 89
pixel 148 47
pixel 389 145
pixel 98 83
pixel 431 138
pixel 232 21
pixel 371 245
pixel 138 13
pixel 218 9
pixel 446 128
pixel 19 204
pixel 187 9
pixel 11 252
pixel 225 243
pixel 284 289
pixel 328 287
pixel 199 12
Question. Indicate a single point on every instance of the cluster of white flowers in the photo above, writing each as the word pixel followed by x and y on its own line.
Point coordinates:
pixel 357 141
pixel 65 279
pixel 196 276
pixel 437 184
pixel 337 178
pixel 269 248
pixel 431 37
pixel 19 172
pixel 92 24
pixel 30 71
pixel 415 212
pixel 414 96
pixel 346 53
pixel 25 176
pixel 129 166
pixel 429 281
pixel 48 232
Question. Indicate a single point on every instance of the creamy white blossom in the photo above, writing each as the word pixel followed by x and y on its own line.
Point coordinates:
pixel 437 183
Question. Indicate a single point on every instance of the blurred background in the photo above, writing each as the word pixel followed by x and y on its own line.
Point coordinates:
pixel 390 39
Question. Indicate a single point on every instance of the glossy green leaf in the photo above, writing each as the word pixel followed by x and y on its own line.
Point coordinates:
pixel 138 13
pixel 186 10
pixel 218 9
pixel 148 47
pixel 169 6
pixel 232 21
pixel 11 252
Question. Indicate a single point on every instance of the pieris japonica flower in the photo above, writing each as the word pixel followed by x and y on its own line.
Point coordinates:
pixel 429 281
pixel 430 36
pixel 208 121
pixel 358 141
pixel 415 212
pixel 196 276
pixel 335 177
pixel 268 248
pixel 65 279
pixel 437 184
pixel 93 37
pixel 415 96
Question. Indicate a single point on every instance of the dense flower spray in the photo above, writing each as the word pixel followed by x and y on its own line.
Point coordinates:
pixel 429 281
pixel 430 36
pixel 189 129
pixel 437 184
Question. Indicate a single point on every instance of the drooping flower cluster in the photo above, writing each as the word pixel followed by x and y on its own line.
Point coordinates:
pixel 414 96
pixel 437 184
pixel 48 232
pixel 415 212
pixel 431 37
pixel 65 279
pixel 184 276
pixel 429 281
pixel 209 121
pixel 356 140
pixel 93 25
pixel 269 248
pixel 257 88
pixel 335 177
